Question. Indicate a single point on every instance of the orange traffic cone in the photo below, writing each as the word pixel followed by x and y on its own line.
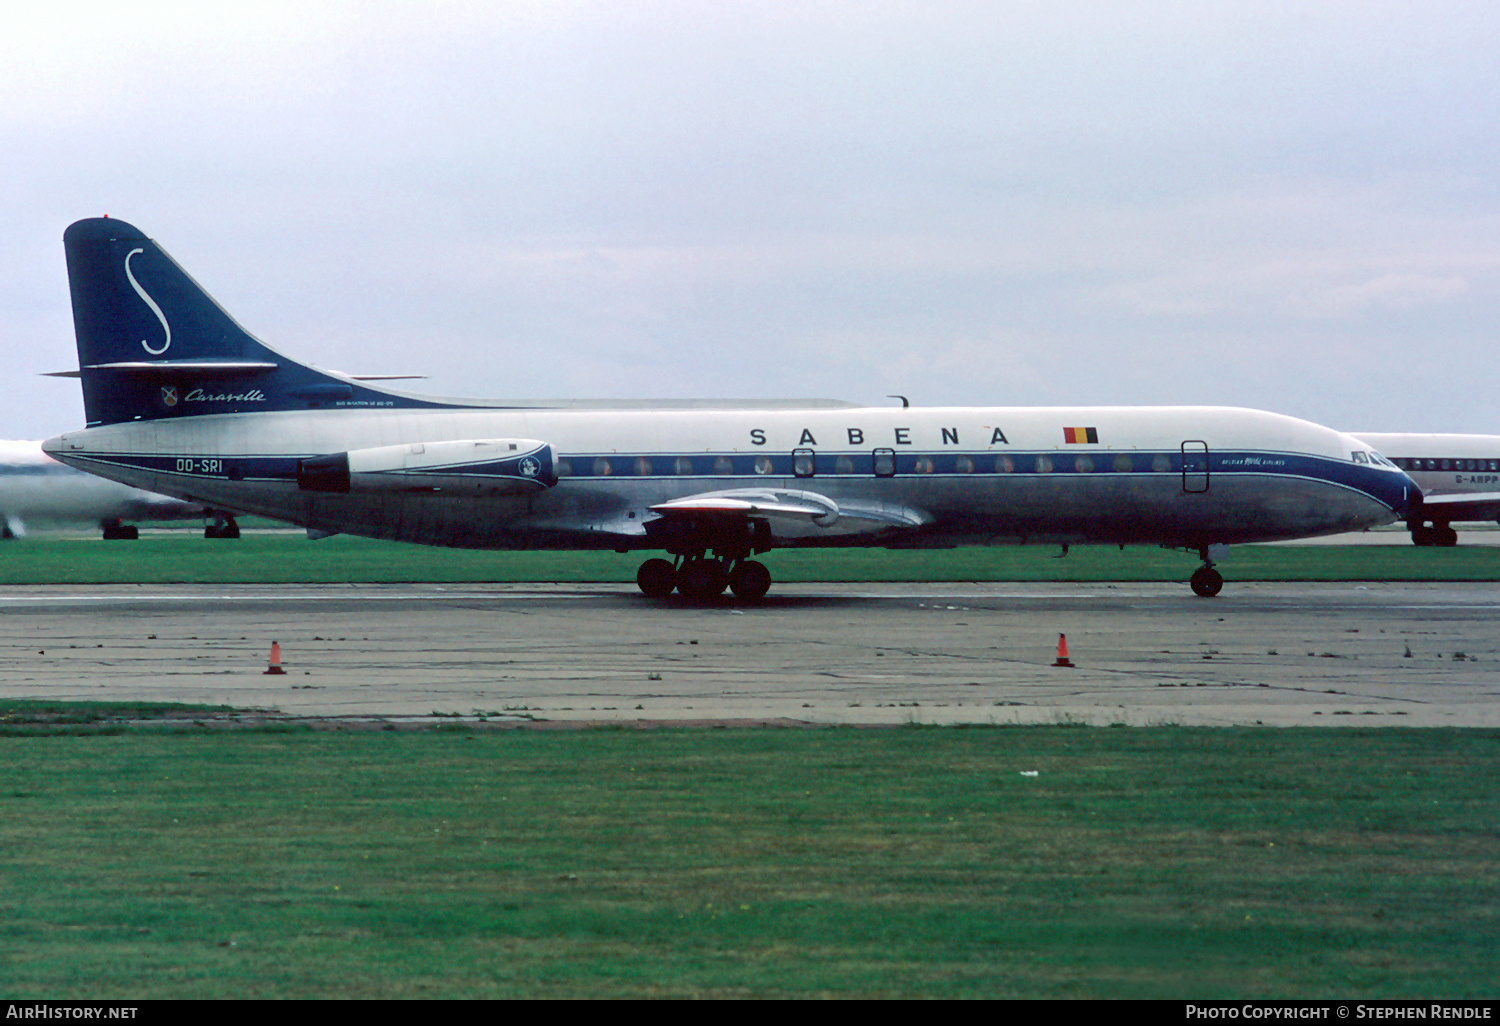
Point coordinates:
pixel 275 666
pixel 1062 651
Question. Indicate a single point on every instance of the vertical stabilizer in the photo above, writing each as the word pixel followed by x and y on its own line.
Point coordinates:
pixel 152 344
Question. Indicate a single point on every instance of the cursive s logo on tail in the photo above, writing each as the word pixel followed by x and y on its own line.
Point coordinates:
pixel 151 303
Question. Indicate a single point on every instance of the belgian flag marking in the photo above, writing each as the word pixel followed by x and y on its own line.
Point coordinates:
pixel 1084 434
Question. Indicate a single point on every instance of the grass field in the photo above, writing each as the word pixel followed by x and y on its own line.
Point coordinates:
pixel 177 862
pixel 186 557
pixel 1160 862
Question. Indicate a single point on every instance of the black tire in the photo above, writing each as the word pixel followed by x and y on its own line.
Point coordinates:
pixel 1421 535
pixel 702 579
pixel 750 580
pixel 1207 582
pixel 1444 536
pixel 656 578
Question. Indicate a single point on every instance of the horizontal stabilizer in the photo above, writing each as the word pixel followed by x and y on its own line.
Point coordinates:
pixel 186 368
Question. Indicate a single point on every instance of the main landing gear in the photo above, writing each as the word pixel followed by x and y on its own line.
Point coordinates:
pixel 116 531
pixel 224 526
pixel 701 578
pixel 1206 581
pixel 1438 534
pixel 711 553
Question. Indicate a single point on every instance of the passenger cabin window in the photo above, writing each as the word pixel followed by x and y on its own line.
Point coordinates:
pixel 642 466
pixel 885 463
pixel 763 464
pixel 602 467
pixel 682 465
pixel 843 465
pixel 804 462
pixel 562 467
pixel 723 466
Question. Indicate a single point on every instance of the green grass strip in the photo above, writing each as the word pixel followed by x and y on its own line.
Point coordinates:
pixel 185 557
pixel 1145 862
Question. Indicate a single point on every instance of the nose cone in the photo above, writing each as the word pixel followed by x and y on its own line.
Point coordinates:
pixel 1394 490
pixel 1412 509
pixel 1399 492
pixel 1382 480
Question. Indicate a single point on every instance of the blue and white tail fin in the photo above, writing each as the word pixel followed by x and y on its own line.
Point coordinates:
pixel 152 344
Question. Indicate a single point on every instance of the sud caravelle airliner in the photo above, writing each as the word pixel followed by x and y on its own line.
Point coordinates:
pixel 181 400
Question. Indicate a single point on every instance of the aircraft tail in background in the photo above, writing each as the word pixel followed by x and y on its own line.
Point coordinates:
pixel 38 491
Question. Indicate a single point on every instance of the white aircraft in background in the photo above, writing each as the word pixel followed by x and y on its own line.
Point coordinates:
pixel 180 399
pixel 1459 476
pixel 36 489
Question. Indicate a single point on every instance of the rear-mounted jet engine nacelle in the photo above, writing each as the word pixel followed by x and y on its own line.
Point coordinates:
pixel 471 466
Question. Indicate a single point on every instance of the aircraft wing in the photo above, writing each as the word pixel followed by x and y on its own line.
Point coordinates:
pixel 794 509
pixel 1464 506
pixel 758 502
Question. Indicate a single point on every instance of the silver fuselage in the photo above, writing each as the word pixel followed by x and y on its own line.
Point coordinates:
pixel 1177 476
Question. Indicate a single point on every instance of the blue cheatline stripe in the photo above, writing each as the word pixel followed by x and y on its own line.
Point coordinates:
pixel 965 464
pixel 1374 482
pixel 753 466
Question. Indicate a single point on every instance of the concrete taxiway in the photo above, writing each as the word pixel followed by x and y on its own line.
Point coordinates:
pixel 1374 654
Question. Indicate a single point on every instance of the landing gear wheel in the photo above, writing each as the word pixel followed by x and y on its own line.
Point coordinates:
pixel 702 579
pixel 1421 535
pixel 656 578
pixel 1207 582
pixel 750 580
pixel 224 526
pixel 1444 536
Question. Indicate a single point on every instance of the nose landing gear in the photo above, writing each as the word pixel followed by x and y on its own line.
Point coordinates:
pixel 1206 581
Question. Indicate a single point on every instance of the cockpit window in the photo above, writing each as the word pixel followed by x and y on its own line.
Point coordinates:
pixel 1359 457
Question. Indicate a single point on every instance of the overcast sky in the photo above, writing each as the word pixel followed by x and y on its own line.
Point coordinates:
pixel 1293 206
